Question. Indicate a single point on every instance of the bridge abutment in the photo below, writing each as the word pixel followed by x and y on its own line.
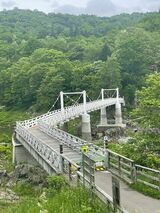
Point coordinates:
pixel 86 127
pixel 21 155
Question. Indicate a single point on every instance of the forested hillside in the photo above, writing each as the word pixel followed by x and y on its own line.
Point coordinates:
pixel 40 55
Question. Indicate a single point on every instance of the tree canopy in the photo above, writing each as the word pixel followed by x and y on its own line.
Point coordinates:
pixel 41 54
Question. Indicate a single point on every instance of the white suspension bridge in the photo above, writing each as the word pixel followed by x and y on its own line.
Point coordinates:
pixel 38 140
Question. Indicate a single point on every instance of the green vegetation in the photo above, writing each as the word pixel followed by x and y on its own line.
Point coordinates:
pixel 6 158
pixel 8 118
pixel 148 191
pixel 8 121
pixel 58 197
pixel 144 147
pixel 40 55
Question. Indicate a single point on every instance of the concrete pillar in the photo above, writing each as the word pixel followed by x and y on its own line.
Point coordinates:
pixel 86 127
pixel 21 155
pixel 103 117
pixel 118 114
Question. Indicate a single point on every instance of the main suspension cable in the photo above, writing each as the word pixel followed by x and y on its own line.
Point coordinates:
pixel 54 104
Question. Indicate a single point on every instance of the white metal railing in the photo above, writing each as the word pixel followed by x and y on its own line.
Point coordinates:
pixel 69 140
pixel 58 116
pixel 76 111
pixel 46 152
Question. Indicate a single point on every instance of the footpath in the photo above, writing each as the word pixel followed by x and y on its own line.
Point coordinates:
pixel 131 200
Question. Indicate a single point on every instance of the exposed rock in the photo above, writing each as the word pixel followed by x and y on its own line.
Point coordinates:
pixel 8 196
pixel 115 132
pixel 3 176
pixel 3 173
pixel 27 173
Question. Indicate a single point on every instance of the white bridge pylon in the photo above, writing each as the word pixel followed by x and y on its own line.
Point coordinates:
pixel 111 93
pixel 73 93
pixel 86 124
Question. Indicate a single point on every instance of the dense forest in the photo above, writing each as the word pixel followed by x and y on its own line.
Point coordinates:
pixel 41 54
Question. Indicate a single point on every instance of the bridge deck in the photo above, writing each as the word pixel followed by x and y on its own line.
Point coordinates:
pixel 69 153
pixel 131 200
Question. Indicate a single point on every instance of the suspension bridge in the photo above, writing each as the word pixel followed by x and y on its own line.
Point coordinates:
pixel 41 140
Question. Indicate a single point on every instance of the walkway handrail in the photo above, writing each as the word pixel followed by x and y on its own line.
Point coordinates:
pixel 131 172
pixel 69 140
pixel 147 176
pixel 46 152
pixel 57 116
pixel 76 111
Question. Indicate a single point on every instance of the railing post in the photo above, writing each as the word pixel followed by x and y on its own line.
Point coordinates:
pixel 84 101
pixel 62 101
pixel 102 92
pixel 70 171
pixel 119 165
pixel 117 94
pixel 133 172
pixel 61 158
pixel 108 159
pixel 78 177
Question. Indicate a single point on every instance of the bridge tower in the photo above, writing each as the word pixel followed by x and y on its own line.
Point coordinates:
pixel 103 114
pixel 86 125
pixel 118 112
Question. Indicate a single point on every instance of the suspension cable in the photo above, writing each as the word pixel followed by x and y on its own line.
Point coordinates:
pixel 54 104
pixel 89 97
pixel 99 96
pixel 76 102
pixel 70 98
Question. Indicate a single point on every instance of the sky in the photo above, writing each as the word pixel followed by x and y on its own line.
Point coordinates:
pixel 92 7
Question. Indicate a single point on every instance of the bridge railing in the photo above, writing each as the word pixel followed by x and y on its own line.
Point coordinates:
pixel 106 198
pixel 69 169
pixel 126 169
pixel 121 166
pixel 57 116
pixel 47 153
pixel 69 140
pixel 77 110
pixel 147 176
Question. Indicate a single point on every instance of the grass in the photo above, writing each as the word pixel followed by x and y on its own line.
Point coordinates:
pixel 6 158
pixel 57 198
pixel 146 190
pixel 76 200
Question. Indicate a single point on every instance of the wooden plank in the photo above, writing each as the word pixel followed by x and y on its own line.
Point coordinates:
pixel 148 176
pixel 114 165
pixel 125 171
pixel 127 165
pixel 111 152
pixel 148 184
pixel 148 169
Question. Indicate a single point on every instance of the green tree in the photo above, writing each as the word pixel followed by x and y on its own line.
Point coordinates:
pixel 149 102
